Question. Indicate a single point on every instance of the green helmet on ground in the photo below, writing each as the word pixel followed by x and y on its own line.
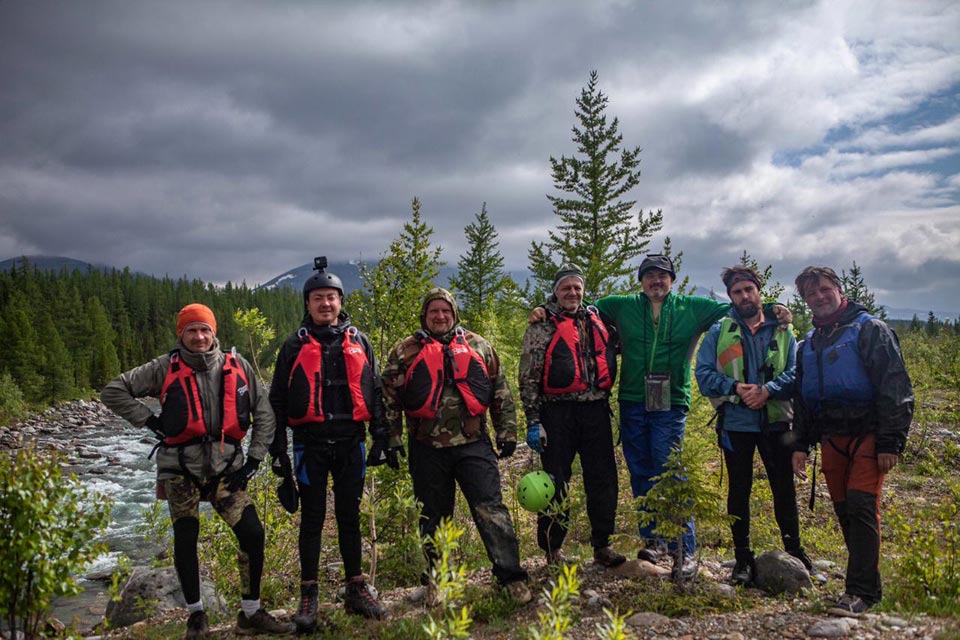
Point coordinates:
pixel 535 491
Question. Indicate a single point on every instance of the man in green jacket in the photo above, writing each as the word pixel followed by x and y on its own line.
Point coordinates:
pixel 658 331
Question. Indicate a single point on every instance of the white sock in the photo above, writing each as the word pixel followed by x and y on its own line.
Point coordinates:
pixel 196 606
pixel 250 607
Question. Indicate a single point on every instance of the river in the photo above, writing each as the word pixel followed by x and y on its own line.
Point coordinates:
pixel 122 472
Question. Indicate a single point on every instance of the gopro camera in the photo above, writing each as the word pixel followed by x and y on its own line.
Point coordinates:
pixel 320 263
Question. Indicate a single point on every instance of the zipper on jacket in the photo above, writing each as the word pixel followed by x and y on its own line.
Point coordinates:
pixel 316 394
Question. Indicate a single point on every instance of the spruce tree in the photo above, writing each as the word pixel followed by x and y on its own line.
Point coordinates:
pixel 388 307
pixel 56 366
pixel 20 353
pixel 104 364
pixel 769 291
pixel 933 326
pixel 480 282
pixel 597 229
pixel 855 289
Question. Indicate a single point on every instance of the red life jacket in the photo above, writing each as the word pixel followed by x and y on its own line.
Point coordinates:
pixel 181 409
pixel 437 363
pixel 564 367
pixel 308 380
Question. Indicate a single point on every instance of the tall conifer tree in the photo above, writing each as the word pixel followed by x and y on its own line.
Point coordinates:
pixel 388 307
pixel 104 364
pixel 598 229
pixel 856 289
pixel 480 282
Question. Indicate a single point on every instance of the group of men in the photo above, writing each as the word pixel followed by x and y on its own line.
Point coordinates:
pixel 847 389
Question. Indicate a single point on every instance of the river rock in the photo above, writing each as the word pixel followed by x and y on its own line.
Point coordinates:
pixel 779 572
pixel 829 628
pixel 647 619
pixel 159 590
pixel 639 569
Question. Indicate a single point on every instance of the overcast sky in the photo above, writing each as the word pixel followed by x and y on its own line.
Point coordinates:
pixel 235 140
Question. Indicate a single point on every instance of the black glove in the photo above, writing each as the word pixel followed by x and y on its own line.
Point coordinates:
pixel 382 453
pixel 153 423
pixel 281 466
pixel 506 448
pixel 238 479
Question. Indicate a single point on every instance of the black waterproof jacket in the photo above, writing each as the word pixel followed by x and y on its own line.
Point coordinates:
pixel 892 410
pixel 330 337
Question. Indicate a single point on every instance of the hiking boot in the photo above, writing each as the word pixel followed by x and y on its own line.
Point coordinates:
pixel 649 554
pixel 359 598
pixel 197 625
pixel 802 556
pixel 556 557
pixel 683 569
pixel 607 557
pixel 306 616
pixel 262 623
pixel 519 591
pixel 743 569
pixel 848 606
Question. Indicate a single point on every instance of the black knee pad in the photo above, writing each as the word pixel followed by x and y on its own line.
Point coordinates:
pixel 185 532
pixel 249 531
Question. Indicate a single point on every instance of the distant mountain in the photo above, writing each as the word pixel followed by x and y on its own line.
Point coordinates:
pixel 895 313
pixel 349 274
pixel 52 263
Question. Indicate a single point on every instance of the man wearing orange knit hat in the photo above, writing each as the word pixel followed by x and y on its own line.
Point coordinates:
pixel 209 400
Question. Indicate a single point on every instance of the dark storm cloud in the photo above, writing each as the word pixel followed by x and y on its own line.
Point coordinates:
pixel 169 135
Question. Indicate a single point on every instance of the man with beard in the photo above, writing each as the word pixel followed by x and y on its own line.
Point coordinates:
pixel 746 367
pixel 444 379
pixel 325 387
pixel 658 333
pixel 854 397
pixel 208 401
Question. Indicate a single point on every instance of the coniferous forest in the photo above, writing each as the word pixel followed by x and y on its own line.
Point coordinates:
pixel 65 334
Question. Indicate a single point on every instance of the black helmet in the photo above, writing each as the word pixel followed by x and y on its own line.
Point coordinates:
pixel 321 279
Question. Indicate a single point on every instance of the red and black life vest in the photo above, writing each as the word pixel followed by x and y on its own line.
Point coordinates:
pixel 437 364
pixel 565 368
pixel 311 376
pixel 181 408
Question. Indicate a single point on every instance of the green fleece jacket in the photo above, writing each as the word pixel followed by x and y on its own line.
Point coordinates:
pixel 666 348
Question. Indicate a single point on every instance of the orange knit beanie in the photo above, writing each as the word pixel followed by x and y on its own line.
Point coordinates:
pixel 195 312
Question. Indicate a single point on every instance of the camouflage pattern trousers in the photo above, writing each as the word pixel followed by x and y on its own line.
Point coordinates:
pixel 236 509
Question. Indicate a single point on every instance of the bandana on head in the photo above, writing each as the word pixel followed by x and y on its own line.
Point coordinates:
pixel 741 277
pixel 196 312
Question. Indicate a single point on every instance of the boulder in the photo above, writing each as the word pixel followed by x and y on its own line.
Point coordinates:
pixel 779 572
pixel 151 591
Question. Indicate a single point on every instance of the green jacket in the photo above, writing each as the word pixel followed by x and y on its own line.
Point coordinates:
pixel 667 348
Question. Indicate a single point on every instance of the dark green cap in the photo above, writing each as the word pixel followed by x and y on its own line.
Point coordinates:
pixel 568 270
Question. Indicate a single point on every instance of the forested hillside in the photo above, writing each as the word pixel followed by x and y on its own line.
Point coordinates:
pixel 64 333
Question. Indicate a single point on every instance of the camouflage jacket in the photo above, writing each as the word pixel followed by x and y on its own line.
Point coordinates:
pixel 532 356
pixel 453 426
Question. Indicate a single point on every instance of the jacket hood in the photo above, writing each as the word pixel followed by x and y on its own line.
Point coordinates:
pixel 852 311
pixel 438 293
pixel 201 361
